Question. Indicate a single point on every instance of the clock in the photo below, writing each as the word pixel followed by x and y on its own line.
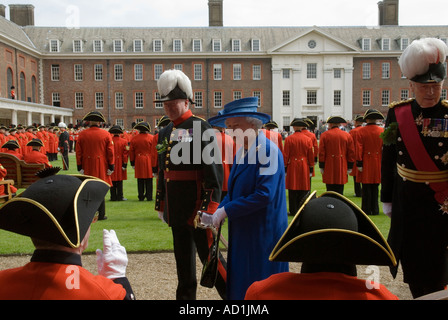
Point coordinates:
pixel 311 44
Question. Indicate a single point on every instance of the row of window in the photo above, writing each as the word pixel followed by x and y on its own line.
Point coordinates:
pixel 385 44
pixel 118 45
pixel 198 71
pixel 139 99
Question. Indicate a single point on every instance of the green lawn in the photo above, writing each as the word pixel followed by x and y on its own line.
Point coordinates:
pixel 137 224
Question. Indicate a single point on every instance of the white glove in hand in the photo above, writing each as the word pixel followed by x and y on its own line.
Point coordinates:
pixel 113 261
pixel 109 172
pixel 207 219
pixel 321 170
pixel 349 171
pixel 387 209
pixel 81 171
pixel 219 216
pixel 360 169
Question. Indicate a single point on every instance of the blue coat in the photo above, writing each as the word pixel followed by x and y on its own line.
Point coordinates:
pixel 257 215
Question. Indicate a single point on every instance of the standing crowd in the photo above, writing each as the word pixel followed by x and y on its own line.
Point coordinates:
pixel 236 168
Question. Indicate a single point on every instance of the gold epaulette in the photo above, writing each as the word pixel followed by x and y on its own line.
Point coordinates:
pixel 445 103
pixel 199 118
pixel 400 103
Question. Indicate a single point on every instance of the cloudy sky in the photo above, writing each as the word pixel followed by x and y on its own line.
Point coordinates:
pixel 194 13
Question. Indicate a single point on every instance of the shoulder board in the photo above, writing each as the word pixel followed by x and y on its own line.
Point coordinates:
pixel 400 103
pixel 199 118
pixel 445 103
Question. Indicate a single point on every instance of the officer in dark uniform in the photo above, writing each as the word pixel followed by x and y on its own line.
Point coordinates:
pixel 64 138
pixel 186 183
pixel 415 170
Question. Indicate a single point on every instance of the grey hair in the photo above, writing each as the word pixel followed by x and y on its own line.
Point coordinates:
pixel 256 123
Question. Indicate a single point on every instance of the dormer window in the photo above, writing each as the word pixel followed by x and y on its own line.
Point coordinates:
pixel 255 44
pixel 118 45
pixel 138 45
pixel 177 45
pixel 157 45
pixel 54 45
pixel 366 44
pixel 97 46
pixel 236 45
pixel 77 46
pixel 385 44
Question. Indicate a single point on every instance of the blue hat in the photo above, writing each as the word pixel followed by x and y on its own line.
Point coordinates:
pixel 246 107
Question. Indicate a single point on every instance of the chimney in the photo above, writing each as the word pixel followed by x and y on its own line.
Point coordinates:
pixel 388 13
pixel 215 13
pixel 3 10
pixel 22 14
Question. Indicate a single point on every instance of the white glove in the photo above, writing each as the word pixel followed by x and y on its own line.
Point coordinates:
pixel 219 216
pixel 360 169
pixel 81 171
pixel 321 170
pixel 349 171
pixel 387 209
pixel 113 261
pixel 161 216
pixel 207 219
pixel 109 172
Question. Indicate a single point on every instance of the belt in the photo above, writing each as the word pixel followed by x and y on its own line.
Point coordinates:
pixel 422 176
pixel 184 175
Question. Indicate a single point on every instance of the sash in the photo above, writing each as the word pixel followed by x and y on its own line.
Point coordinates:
pixel 418 153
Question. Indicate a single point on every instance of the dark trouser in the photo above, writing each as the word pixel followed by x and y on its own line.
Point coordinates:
pixel 116 191
pixel 187 240
pixel 369 203
pixel 65 163
pixel 145 189
pixel 296 199
pixel 339 188
pixel 102 210
pixel 358 190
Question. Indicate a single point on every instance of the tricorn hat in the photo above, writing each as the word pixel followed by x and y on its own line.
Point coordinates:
pixel 336 119
pixel 164 121
pixel 115 130
pixel 359 119
pixel 57 208
pixel 11 144
pixel 35 143
pixel 173 85
pixel 94 116
pixel 331 229
pixel 298 122
pixel 373 114
pixel 423 60
pixel 143 126
pixel 270 124
pixel 245 107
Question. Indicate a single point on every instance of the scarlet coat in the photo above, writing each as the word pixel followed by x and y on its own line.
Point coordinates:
pixel 57 281
pixel 225 142
pixel 355 133
pixel 336 155
pixel 313 138
pixel 35 156
pixel 369 155
pixel 3 173
pixel 95 153
pixel 142 155
pixel 316 286
pixel 121 153
pixel 298 155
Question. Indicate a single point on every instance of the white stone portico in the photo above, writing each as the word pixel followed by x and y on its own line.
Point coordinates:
pixel 26 113
pixel 331 62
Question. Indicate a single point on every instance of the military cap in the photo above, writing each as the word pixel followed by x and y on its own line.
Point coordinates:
pixel 35 143
pixel 298 122
pixel 373 114
pixel 115 130
pixel 94 116
pixel 11 144
pixel 336 119
pixel 143 126
pixel 173 85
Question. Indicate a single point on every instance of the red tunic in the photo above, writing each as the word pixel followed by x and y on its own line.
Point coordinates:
pixel 336 150
pixel 95 153
pixel 310 134
pixel 141 155
pixel 298 155
pixel 370 147
pixel 317 286
pixel 35 156
pixel 355 133
pixel 121 152
pixel 3 173
pixel 225 142
pixel 52 281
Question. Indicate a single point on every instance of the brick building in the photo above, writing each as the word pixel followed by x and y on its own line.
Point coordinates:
pixel 295 71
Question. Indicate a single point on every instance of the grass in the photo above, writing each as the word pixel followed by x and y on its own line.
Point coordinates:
pixel 137 224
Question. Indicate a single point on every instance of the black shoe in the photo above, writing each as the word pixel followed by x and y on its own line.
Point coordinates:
pixel 103 218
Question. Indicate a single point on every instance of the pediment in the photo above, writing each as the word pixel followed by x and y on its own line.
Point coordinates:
pixel 312 41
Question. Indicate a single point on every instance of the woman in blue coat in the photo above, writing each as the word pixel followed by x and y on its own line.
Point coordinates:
pixel 255 205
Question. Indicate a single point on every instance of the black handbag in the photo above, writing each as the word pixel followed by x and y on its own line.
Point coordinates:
pixel 210 265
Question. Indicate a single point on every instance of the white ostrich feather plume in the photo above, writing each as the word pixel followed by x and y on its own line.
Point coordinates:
pixel 170 78
pixel 416 58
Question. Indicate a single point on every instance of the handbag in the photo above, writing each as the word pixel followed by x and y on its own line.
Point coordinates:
pixel 210 265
